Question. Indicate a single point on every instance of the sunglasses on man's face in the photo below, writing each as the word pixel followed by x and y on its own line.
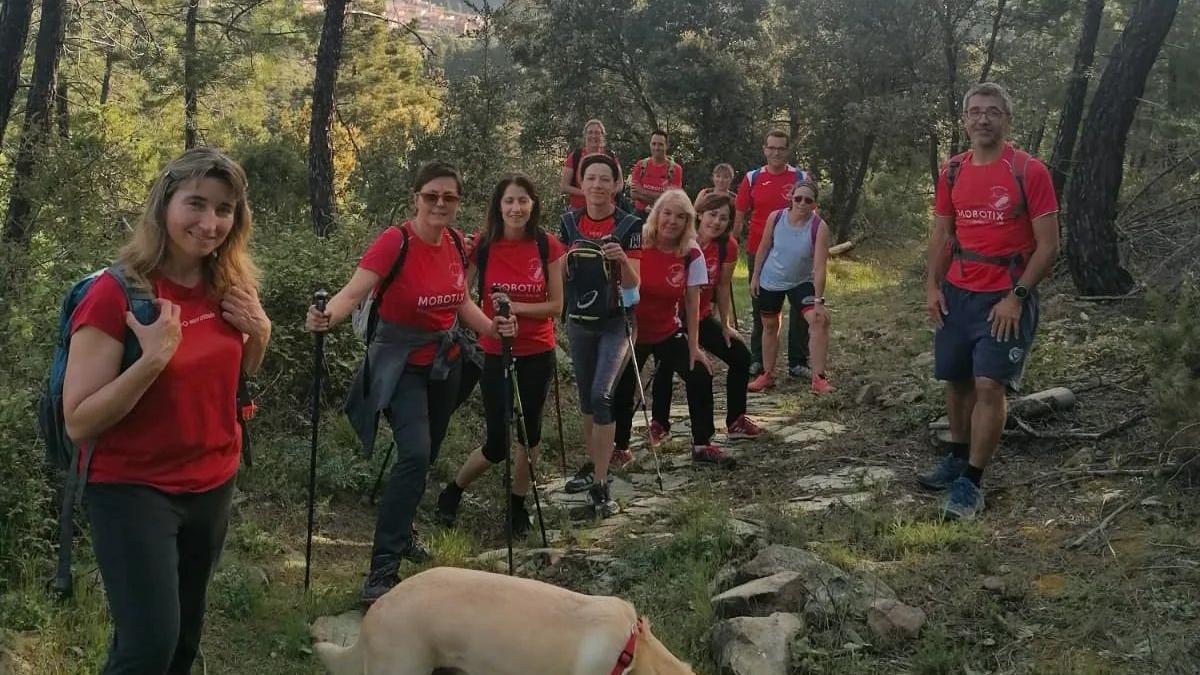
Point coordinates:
pixel 801 199
pixel 432 198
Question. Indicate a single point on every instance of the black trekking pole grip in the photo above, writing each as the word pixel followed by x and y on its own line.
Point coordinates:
pixel 319 300
pixel 504 309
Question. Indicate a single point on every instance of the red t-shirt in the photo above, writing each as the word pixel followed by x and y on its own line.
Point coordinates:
pixel 771 192
pixel 577 201
pixel 598 229
pixel 427 290
pixel 183 434
pixel 654 177
pixel 665 280
pixel 517 268
pixel 981 206
pixel 712 256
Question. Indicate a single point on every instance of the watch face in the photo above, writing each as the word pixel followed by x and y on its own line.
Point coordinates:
pixel 1021 292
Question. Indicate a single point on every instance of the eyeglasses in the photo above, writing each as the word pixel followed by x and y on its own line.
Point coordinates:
pixel 432 198
pixel 775 148
pixel 801 199
pixel 975 114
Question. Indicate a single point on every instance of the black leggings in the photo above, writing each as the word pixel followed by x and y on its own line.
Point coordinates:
pixel 533 382
pixel 156 553
pixel 736 355
pixel 673 351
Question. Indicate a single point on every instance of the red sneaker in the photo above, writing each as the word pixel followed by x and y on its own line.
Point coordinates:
pixel 743 427
pixel 621 458
pixel 761 383
pixel 658 433
pixel 711 454
pixel 820 385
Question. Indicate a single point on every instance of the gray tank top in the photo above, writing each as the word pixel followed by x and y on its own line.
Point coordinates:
pixel 790 262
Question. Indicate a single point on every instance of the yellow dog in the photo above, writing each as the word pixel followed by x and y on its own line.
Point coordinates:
pixel 478 623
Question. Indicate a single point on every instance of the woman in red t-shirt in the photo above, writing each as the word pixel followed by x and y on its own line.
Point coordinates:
pixel 510 253
pixel 722 177
pixel 412 369
pixel 162 434
pixel 717 337
pixel 673 271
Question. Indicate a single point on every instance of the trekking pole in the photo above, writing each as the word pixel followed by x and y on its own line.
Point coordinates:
pixel 319 299
pixel 387 457
pixel 562 443
pixel 504 309
pixel 637 371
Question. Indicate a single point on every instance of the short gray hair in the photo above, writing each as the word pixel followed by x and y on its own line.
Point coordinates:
pixel 989 89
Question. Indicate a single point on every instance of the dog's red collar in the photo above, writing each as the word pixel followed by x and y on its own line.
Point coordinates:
pixel 625 660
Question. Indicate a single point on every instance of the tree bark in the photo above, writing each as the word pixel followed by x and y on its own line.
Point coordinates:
pixel 63 114
pixel 950 52
pixel 320 148
pixel 1072 111
pixel 189 75
pixel 14 29
pixel 991 50
pixel 1092 194
pixel 106 83
pixel 36 128
pixel 850 206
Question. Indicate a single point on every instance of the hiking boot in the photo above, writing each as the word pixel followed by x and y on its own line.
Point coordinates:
pixel 711 454
pixel 416 551
pixel 800 371
pixel 603 505
pixel 821 386
pixel 658 432
pixel 520 519
pixel 756 368
pixel 761 383
pixel 447 505
pixel 582 480
pixel 743 427
pixel 965 500
pixel 384 575
pixel 621 458
pixel 943 474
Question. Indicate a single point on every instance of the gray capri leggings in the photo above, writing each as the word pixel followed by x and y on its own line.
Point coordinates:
pixel 598 354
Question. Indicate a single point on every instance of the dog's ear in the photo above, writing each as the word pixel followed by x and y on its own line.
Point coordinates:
pixel 644 625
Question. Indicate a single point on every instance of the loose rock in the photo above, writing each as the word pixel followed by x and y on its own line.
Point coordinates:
pixel 891 618
pixel 755 645
pixel 784 591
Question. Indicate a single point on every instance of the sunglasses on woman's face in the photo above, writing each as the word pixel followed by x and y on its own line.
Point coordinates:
pixel 432 198
pixel 801 199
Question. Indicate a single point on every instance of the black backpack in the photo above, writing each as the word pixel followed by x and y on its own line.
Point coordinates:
pixel 481 259
pixel 592 290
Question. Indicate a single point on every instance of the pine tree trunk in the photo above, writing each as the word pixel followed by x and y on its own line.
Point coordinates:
pixel 1092 193
pixel 950 52
pixel 106 83
pixel 189 75
pixel 991 49
pixel 1072 111
pixel 63 114
pixel 35 130
pixel 320 148
pixel 14 29
pixel 845 216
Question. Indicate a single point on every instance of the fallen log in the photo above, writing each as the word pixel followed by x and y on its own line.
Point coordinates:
pixel 1031 407
pixel 845 246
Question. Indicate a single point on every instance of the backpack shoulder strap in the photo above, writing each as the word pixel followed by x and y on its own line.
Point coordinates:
pixel 543 247
pixel 722 252
pixel 753 176
pixel 458 244
pixel 1020 168
pixel 816 227
pixel 395 269
pixel 570 226
pixel 481 258
pixel 953 165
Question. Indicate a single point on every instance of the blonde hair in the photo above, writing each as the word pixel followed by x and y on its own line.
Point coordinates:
pixel 595 122
pixel 230 265
pixel 723 168
pixel 650 229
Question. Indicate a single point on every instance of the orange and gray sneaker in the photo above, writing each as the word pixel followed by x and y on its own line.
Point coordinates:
pixel 711 454
pixel 820 385
pixel 743 427
pixel 621 458
pixel 761 383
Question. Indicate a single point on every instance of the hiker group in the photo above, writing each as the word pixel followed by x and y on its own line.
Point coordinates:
pixel 144 396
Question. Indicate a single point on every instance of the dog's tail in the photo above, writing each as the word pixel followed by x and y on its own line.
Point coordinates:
pixel 342 660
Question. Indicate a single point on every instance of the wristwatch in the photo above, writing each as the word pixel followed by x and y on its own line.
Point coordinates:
pixel 1021 291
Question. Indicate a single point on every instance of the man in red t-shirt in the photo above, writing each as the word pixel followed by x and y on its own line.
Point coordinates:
pixel 654 175
pixel 995 237
pixel 764 191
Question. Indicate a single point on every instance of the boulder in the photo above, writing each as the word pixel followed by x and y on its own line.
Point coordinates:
pixel 752 645
pixel 784 592
pixel 890 619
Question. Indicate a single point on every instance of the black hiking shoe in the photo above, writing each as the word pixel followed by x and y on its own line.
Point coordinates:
pixel 447 505
pixel 416 551
pixel 383 577
pixel 603 505
pixel 583 479
pixel 520 519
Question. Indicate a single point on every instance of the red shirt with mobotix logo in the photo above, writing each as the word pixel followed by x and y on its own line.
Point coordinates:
pixel 183 434
pixel 769 193
pixel 712 256
pixel 427 290
pixel 649 175
pixel 665 280
pixel 516 268
pixel 982 206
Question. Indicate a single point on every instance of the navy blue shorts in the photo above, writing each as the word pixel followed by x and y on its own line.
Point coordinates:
pixel 963 348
